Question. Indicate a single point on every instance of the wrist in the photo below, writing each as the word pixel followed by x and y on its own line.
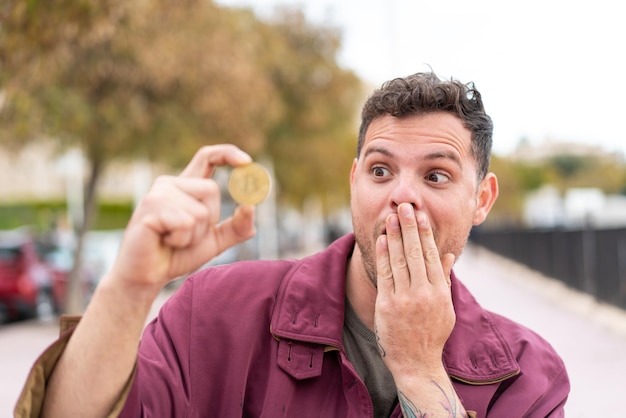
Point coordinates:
pixel 126 296
pixel 417 375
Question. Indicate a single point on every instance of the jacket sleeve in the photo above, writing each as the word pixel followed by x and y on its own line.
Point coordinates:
pixel 552 403
pixel 30 402
pixel 162 376
pixel 552 386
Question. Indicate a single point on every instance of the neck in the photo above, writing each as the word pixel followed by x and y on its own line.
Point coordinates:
pixel 360 290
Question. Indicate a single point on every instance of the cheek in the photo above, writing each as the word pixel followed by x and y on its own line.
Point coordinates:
pixel 365 200
pixel 451 219
pixel 451 228
pixel 367 208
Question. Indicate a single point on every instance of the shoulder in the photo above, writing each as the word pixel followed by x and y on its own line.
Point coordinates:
pixel 543 377
pixel 526 345
pixel 531 376
pixel 226 287
pixel 523 344
pixel 254 274
pixel 251 277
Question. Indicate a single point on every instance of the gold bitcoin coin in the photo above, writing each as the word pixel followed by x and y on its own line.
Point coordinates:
pixel 249 184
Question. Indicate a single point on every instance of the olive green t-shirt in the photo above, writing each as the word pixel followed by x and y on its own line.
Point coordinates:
pixel 362 351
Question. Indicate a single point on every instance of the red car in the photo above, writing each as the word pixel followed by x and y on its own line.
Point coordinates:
pixel 25 279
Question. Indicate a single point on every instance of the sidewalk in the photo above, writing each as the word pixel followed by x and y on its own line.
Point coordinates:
pixel 21 344
pixel 590 337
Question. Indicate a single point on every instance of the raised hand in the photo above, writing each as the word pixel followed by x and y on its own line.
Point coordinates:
pixel 176 227
pixel 414 315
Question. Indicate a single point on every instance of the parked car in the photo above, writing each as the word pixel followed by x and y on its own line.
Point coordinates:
pixel 60 260
pixel 26 280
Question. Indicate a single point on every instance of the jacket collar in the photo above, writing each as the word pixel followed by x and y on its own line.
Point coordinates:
pixel 310 301
pixel 310 308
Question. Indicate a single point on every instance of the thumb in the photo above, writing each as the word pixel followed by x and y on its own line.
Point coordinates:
pixel 243 222
pixel 237 228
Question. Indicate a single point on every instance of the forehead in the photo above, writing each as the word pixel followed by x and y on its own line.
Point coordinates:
pixel 430 131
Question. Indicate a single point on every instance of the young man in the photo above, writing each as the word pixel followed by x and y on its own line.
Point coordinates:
pixel 375 325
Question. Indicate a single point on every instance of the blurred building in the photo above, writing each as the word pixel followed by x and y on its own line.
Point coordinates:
pixel 38 172
pixel 550 147
pixel 577 208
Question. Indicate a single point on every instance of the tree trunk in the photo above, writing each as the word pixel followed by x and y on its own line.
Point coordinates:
pixel 75 295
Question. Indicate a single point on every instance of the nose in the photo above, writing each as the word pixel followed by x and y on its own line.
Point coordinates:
pixel 406 190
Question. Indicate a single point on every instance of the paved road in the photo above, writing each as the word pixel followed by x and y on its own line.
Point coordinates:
pixel 590 337
pixel 21 344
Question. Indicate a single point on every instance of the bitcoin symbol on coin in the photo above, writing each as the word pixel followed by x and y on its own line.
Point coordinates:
pixel 249 184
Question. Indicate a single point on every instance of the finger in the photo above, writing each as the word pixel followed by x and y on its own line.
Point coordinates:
pixel 181 222
pixel 432 261
pixel 170 189
pixel 384 277
pixel 176 203
pixel 172 224
pixel 413 250
pixel 181 191
pixel 398 263
pixel 179 238
pixel 195 220
pixel 205 160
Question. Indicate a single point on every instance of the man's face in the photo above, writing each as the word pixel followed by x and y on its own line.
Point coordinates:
pixel 424 160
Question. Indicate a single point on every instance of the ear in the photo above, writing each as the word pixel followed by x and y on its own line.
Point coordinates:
pixel 352 171
pixel 485 197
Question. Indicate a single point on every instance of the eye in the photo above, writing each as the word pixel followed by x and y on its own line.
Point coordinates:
pixel 379 171
pixel 437 177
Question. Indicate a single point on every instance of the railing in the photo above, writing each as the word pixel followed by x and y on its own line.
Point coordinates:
pixel 593 261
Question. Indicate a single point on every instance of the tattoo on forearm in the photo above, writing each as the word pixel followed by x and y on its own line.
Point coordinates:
pixel 448 403
pixel 409 410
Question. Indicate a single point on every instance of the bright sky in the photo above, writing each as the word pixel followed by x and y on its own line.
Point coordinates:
pixel 546 68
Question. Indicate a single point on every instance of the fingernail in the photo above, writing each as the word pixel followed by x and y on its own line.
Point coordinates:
pixel 406 210
pixel 243 157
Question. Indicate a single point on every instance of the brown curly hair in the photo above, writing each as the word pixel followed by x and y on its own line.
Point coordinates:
pixel 425 92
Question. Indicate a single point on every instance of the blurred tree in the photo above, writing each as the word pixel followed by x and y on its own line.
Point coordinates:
pixel 603 172
pixel 567 166
pixel 508 207
pixel 516 178
pixel 159 78
pixel 313 143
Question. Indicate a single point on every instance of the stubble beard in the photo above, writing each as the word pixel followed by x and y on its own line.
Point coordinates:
pixel 367 247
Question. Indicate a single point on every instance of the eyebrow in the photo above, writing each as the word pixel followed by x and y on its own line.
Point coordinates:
pixel 380 150
pixel 448 155
pixel 444 155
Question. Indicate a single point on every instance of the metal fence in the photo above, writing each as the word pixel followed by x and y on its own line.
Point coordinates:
pixel 593 261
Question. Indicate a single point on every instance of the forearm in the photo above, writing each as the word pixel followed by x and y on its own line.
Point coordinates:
pixel 429 396
pixel 101 353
